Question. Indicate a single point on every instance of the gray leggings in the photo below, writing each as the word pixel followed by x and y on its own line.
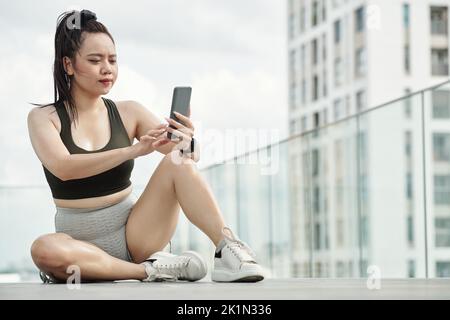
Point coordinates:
pixel 103 226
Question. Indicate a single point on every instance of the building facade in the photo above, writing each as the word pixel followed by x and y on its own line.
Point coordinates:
pixel 359 192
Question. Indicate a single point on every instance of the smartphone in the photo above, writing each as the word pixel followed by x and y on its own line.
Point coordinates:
pixel 180 103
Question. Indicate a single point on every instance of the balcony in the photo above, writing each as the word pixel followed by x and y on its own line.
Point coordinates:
pixel 439 69
pixel 439 27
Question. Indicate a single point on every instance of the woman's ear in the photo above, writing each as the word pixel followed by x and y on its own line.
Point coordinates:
pixel 68 67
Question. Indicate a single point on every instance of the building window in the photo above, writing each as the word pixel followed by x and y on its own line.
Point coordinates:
pixel 303 68
pixel 324 48
pixel 315 163
pixel 441 147
pixel 291 19
pixel 364 227
pixel 292 76
pixel 316 200
pixel 324 10
pixel 443 269
pixel 339 233
pixel 442 232
pixel 324 83
pixel 337 31
pixel 302 19
pixel 337 106
pixel 407 104
pixel 439 20
pixel 360 101
pixel 359 19
pixel 410 231
pixel 292 127
pixel 407 58
pixel 363 182
pixel 439 62
pixel 409 186
pixel 408 144
pixel 304 123
pixel 314 52
pixel 315 13
pixel 315 91
pixel 347 106
pixel 292 64
pixel 303 57
pixel 411 269
pixel 406 15
pixel 292 97
pixel 316 120
pixel 441 104
pixel 304 91
pixel 338 74
pixel 442 190
pixel 360 62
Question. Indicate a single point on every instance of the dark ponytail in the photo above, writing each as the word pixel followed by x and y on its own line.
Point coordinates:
pixel 68 40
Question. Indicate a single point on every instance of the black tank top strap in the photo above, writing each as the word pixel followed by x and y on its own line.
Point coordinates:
pixel 64 118
pixel 114 117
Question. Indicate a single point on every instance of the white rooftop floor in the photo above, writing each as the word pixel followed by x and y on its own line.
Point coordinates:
pixel 266 290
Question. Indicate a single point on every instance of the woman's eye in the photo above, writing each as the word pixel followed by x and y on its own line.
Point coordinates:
pixel 94 61
pixel 113 61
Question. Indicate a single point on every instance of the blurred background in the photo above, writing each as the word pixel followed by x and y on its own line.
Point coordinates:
pixel 324 125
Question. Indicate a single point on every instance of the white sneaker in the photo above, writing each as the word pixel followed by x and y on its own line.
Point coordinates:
pixel 235 262
pixel 164 266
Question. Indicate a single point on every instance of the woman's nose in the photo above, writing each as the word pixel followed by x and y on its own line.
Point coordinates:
pixel 107 68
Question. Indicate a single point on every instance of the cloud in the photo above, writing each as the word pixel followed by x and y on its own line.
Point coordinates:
pixel 226 105
pixel 231 53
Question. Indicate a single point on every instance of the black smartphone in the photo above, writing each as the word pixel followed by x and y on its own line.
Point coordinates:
pixel 180 103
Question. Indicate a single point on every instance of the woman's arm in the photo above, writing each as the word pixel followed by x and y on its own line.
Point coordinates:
pixel 78 166
pixel 54 155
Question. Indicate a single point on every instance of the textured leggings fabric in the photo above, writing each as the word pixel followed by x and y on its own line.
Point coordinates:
pixel 103 226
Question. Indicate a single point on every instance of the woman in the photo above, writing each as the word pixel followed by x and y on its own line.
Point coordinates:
pixel 84 142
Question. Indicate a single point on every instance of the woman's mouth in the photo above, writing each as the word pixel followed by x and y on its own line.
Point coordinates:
pixel 106 82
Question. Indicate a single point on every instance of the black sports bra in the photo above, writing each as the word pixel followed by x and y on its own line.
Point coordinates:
pixel 105 183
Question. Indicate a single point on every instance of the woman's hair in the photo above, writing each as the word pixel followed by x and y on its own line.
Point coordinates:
pixel 69 37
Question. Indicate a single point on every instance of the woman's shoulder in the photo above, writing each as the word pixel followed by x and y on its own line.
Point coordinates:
pixel 125 104
pixel 45 113
pixel 128 107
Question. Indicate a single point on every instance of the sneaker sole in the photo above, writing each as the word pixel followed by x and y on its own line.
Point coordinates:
pixel 223 276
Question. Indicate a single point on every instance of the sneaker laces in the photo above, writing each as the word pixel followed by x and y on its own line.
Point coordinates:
pixel 241 249
pixel 44 277
pixel 168 269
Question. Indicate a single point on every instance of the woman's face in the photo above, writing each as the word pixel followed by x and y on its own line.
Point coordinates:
pixel 95 67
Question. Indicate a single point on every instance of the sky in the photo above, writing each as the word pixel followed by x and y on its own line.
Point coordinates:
pixel 232 53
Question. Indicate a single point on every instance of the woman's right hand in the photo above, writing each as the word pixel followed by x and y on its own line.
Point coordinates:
pixel 148 142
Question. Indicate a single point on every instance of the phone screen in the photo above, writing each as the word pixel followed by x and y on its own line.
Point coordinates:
pixel 180 103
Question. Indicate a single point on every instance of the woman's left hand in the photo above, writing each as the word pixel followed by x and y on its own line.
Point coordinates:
pixel 184 133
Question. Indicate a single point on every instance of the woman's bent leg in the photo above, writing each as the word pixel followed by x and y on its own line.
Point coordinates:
pixel 54 253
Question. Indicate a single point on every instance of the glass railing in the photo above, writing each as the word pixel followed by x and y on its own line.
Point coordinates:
pixel 371 190
pixel 368 193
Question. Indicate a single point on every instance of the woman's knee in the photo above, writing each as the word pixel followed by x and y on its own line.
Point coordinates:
pixel 49 251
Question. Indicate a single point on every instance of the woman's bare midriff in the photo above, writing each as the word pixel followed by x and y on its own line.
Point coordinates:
pixel 95 202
